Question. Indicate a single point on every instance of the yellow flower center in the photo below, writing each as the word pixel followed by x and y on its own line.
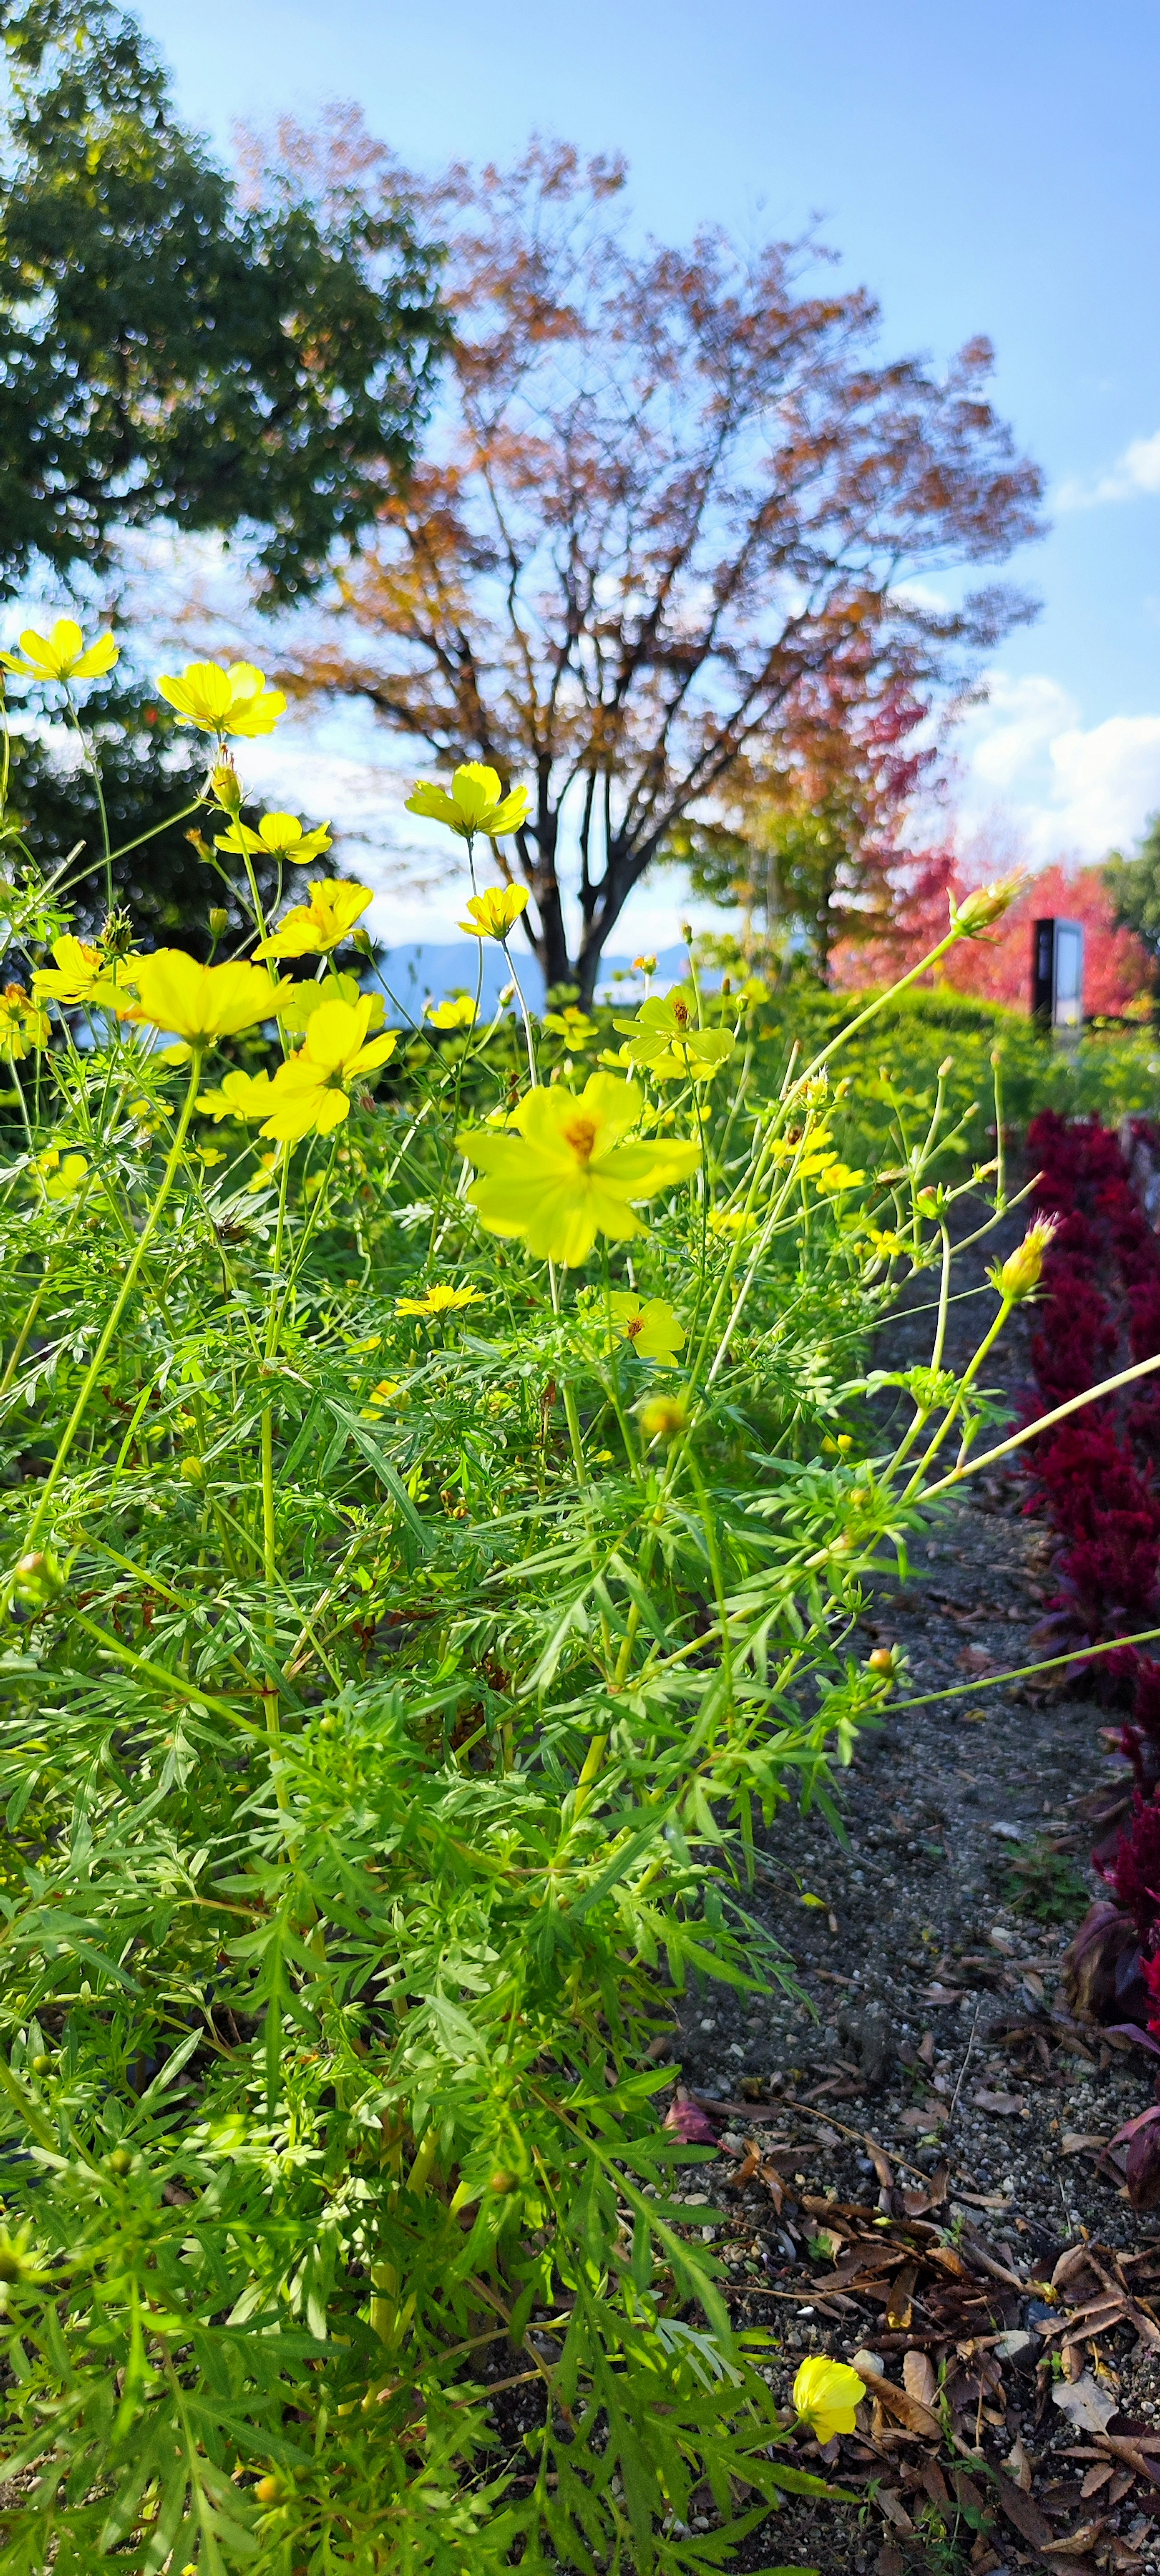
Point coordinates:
pixel 581 1136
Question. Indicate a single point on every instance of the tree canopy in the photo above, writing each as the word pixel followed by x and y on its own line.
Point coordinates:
pixel 673 491
pixel 1134 887
pixel 170 349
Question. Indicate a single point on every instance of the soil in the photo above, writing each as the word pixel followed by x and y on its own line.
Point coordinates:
pixel 926 2039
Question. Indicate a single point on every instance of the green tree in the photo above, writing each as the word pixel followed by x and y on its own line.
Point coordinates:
pixel 152 782
pixel 1134 887
pixel 169 352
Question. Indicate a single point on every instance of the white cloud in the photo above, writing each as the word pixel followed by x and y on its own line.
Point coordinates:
pixel 1135 473
pixel 1017 722
pixel 1058 787
pixel 1108 780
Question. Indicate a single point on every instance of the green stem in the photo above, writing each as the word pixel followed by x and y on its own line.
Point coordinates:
pixel 101 1353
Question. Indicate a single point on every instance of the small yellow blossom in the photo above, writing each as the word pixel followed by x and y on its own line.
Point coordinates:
pixel 241 1095
pixel 278 836
pixel 567 1175
pixel 826 2394
pixel 61 1175
pixel 313 929
pixel 476 803
pixel 438 1301
pixel 199 1003
pixel 82 973
pixel 63 655
pixel 665 1037
pixel 838 1176
pixel 209 1155
pixel 737 1221
pixel 236 701
pixel 310 1091
pixel 23 1025
pixel 572 1025
pixel 458 1013
pixel 645 965
pixel 663 1417
pixel 297 1003
pixel 380 1396
pixel 494 912
pixel 267 1166
pixel 650 1326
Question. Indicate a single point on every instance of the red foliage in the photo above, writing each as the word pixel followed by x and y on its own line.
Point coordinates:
pixel 1117 969
pixel 1134 1874
pixel 1096 1474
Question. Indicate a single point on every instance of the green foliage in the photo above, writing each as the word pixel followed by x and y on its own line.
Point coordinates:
pixel 153 794
pixel 1134 886
pixel 397 1670
pixel 170 352
pixel 1044 1882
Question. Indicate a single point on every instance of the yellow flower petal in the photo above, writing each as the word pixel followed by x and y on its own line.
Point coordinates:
pixel 494 912
pixel 199 1003
pixel 826 2394
pixel 313 929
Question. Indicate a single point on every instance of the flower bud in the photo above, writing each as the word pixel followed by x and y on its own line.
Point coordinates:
pixel 1018 1277
pixel 219 921
pixel 645 965
pixel 226 788
pixel 361 939
pixel 38 1576
pixel 663 1417
pixel 986 904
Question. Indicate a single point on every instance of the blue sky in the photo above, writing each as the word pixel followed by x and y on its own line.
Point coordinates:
pixel 982 170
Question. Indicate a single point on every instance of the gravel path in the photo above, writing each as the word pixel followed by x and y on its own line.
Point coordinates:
pixel 929 2031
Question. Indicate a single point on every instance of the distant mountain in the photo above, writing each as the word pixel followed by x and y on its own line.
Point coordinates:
pixel 417 974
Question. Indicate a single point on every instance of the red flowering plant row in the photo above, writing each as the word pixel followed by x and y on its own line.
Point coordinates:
pixel 1097 1477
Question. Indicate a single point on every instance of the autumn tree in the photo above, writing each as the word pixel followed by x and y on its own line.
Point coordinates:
pixel 670 491
pixel 818 854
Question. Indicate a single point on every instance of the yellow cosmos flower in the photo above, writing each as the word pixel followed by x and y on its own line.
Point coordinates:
pixel 310 1091
pixel 665 1037
pixel 380 1396
pixel 23 1026
pixel 278 836
pixel 297 1003
pixel 459 1013
pixel 63 655
pixel 476 803
pixel 493 913
pixel 438 1301
pixel 572 1025
pixel 826 2395
pixel 242 1095
pixel 651 1326
pixel 314 928
pixel 82 973
pixel 236 701
pixel 199 1003
pixel 566 1175
pixel 732 1221
pixel 837 1176
pixel 61 1174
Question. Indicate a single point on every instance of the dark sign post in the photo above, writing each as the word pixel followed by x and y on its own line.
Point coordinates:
pixel 1057 974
